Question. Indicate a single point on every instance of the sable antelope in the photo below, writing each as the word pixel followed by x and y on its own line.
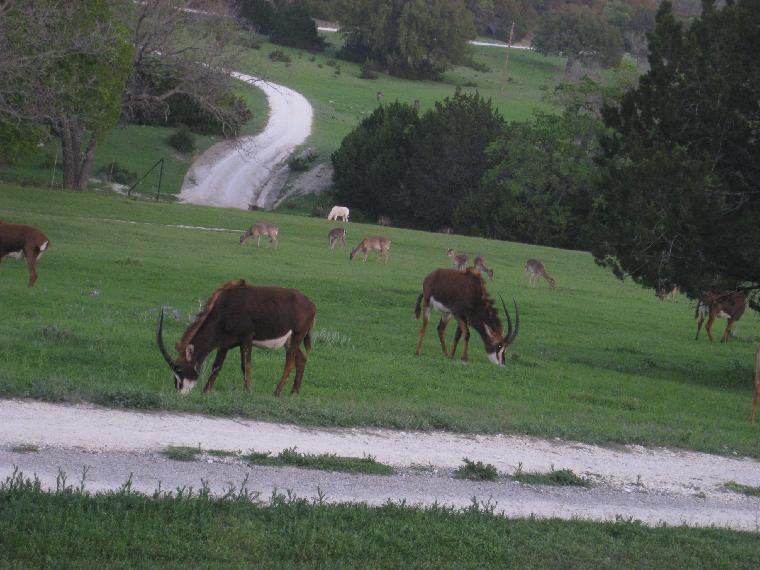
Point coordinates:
pixel 459 260
pixel 17 240
pixel 375 243
pixel 463 294
pixel 756 397
pixel 239 314
pixel 338 212
pixel 667 291
pixel 536 269
pixel 336 235
pixel 727 305
pixel 258 230
pixel 480 265
pixel 383 221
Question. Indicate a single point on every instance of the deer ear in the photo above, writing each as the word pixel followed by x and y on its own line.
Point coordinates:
pixel 189 352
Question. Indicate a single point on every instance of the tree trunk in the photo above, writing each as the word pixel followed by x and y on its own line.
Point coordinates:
pixel 76 163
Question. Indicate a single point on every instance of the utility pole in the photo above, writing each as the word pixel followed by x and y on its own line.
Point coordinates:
pixel 504 75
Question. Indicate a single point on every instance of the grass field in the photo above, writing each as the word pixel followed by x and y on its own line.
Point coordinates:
pixel 597 360
pixel 71 529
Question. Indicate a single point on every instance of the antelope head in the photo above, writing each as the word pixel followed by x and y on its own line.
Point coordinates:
pixel 497 342
pixel 185 368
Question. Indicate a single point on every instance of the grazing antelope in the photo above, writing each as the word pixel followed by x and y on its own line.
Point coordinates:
pixel 375 243
pixel 239 314
pixel 336 235
pixel 459 260
pixel 258 230
pixel 463 295
pixel 480 265
pixel 535 269
pixel 383 221
pixel 756 397
pixel 727 305
pixel 17 240
pixel 338 212
pixel 667 291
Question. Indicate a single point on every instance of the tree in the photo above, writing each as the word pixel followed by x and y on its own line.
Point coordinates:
pixel 634 19
pixel 292 26
pixel 409 38
pixel 581 35
pixel 678 198
pixel 64 66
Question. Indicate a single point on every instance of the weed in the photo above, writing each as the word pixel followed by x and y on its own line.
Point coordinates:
pixel 25 448
pixel 743 489
pixel 476 471
pixel 280 56
pixel 325 462
pixel 181 452
pixel 222 453
pixel 561 477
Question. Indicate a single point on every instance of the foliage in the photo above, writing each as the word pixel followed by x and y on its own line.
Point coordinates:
pixel 292 26
pixel 18 140
pixel 182 140
pixel 634 19
pixel 181 452
pixel 416 39
pixel 279 56
pixel 322 461
pixel 678 198
pixel 560 478
pixel 476 471
pixel 581 35
pixel 116 172
pixel 256 14
pixel 749 490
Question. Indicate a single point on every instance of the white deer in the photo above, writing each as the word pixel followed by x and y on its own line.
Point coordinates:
pixel 338 212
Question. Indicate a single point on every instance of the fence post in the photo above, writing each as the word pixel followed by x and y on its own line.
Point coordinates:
pixel 160 177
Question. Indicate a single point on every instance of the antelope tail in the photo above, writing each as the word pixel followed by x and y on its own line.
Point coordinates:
pixel 418 307
pixel 307 337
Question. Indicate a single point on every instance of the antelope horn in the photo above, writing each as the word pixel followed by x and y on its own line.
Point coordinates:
pixel 160 340
pixel 517 322
pixel 509 320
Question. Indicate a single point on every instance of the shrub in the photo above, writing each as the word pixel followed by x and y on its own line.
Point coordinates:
pixel 182 140
pixel 476 471
pixel 115 172
pixel 366 71
pixel 292 26
pixel 279 55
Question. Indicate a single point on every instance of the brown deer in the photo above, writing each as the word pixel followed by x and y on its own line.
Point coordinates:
pixel 376 243
pixel 17 240
pixel 480 266
pixel 463 295
pixel 459 260
pixel 756 397
pixel 258 230
pixel 239 314
pixel 535 269
pixel 383 221
pixel 336 235
pixel 727 305
pixel 667 291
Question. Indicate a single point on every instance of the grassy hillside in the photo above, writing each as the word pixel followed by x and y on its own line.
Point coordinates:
pixel 597 360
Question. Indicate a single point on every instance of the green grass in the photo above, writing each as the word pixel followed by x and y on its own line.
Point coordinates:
pixel 743 489
pixel 597 360
pixel 560 478
pixel 324 462
pixel 72 529
pixel 25 448
pixel 181 452
pixel 476 471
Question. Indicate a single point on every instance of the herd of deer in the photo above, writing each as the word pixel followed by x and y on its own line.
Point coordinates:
pixel 240 315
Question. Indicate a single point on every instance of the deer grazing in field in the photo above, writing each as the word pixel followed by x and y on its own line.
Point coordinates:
pixel 727 305
pixel 244 316
pixel 667 291
pixel 458 259
pixel 535 269
pixel 17 240
pixel 336 235
pixel 463 295
pixel 338 212
pixel 756 397
pixel 257 230
pixel 383 221
pixel 481 267
pixel 376 243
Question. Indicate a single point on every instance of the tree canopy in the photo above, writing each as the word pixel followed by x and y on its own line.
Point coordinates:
pixel 679 196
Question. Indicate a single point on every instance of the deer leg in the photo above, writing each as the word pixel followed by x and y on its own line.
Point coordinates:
pixel 425 319
pixel 699 326
pixel 221 354
pixel 365 255
pixel 290 360
pixel 245 362
pixel 708 326
pixel 727 332
pixel 31 264
pixel 465 330
pixel 442 332
pixel 300 367
pixel 258 242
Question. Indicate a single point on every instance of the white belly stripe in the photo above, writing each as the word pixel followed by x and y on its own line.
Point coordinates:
pixel 438 306
pixel 275 342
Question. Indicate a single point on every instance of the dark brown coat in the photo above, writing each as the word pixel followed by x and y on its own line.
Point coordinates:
pixel 17 239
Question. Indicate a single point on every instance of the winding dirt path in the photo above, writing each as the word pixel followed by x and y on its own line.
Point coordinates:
pixel 652 485
pixel 235 174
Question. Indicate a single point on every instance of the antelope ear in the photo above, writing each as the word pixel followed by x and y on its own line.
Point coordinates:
pixel 189 352
pixel 489 332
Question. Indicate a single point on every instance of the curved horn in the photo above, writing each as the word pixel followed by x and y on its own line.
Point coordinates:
pixel 509 320
pixel 160 340
pixel 517 323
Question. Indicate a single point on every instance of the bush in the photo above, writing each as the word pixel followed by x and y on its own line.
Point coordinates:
pixel 476 471
pixel 182 140
pixel 366 70
pixel 279 55
pixel 115 172
pixel 292 26
pixel 301 161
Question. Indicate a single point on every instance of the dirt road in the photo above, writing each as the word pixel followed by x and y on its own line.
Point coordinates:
pixel 652 485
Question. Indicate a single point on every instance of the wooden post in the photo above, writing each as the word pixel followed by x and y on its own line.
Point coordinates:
pixel 504 76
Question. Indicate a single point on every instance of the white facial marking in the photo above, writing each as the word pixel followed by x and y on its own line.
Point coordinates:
pixel 494 357
pixel 275 342
pixel 187 385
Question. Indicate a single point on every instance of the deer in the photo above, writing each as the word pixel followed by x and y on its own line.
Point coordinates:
pixel 241 315
pixel 667 291
pixel 535 269
pixel 727 305
pixel 383 221
pixel 376 243
pixel 17 240
pixel 756 397
pixel 338 212
pixel 459 260
pixel 480 266
pixel 336 235
pixel 463 295
pixel 257 230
